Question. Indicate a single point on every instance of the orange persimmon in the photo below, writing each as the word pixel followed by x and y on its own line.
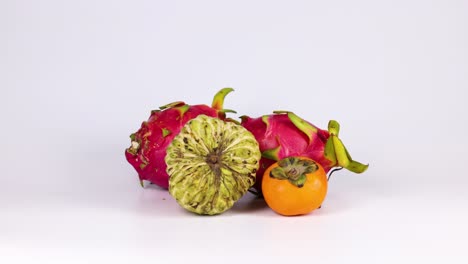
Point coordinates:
pixel 294 186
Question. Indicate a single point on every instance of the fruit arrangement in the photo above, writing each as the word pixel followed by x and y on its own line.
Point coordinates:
pixel 208 161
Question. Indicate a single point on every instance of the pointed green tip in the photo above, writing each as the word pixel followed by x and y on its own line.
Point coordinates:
pixel 336 152
pixel 171 105
pixel 228 111
pixel 183 108
pixel 302 125
pixel 334 127
pixel 165 132
pixel 280 112
pixel 272 154
pixel 357 167
pixel 218 99
pixel 265 120
pixel 142 184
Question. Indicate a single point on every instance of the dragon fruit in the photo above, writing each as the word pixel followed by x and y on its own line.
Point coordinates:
pixel 148 145
pixel 284 134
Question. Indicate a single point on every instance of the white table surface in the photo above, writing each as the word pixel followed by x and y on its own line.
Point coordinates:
pixel 77 78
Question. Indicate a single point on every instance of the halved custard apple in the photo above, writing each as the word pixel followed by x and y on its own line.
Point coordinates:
pixel 211 164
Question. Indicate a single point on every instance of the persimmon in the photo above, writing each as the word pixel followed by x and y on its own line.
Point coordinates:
pixel 294 186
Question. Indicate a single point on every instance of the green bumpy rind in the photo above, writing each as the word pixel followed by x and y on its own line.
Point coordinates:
pixel 211 187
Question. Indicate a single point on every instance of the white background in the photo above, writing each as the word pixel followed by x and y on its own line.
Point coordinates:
pixel 77 77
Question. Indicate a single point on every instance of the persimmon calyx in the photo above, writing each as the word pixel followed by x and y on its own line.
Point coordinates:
pixel 294 170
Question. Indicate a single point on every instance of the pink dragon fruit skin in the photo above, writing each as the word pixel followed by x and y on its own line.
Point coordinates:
pixel 284 134
pixel 148 145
